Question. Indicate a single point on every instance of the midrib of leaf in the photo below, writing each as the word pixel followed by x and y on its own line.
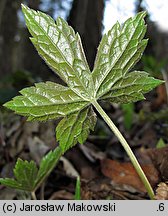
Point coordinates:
pixel 142 80
pixel 86 90
pixel 61 115
pixel 116 28
pixel 96 69
pixel 83 122
pixel 128 85
pixel 66 37
pixel 53 101
pixel 113 65
pixel 68 63
pixel 140 49
pixel 28 168
pixel 116 61
pixel 91 78
pixel 71 66
pixel 78 42
pixel 139 36
pixel 72 63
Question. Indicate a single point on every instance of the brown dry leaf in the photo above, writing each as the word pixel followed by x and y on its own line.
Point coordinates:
pixel 125 174
pixel 162 191
pixel 159 158
pixel 101 188
pixel 148 137
pixel 98 188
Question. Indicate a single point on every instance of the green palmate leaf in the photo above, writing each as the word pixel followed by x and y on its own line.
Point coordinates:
pixel 131 87
pixel 75 128
pixel 25 175
pixel 46 101
pixel 61 49
pixel 25 172
pixel 118 51
pixel 128 114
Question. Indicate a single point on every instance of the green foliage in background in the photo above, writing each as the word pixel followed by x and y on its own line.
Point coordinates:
pixel 128 111
pixel 153 66
pixel 78 189
pixel 161 143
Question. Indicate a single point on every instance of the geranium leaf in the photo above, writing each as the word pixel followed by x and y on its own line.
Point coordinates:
pixel 118 51
pixel 61 49
pixel 131 87
pixel 75 128
pixel 25 174
pixel 46 101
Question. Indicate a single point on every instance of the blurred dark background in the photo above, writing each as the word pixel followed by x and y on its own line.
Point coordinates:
pixel 20 64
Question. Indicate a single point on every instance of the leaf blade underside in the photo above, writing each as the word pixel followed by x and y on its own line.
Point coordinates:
pixel 25 174
pixel 46 101
pixel 118 52
pixel 75 128
pixel 61 49
pixel 131 87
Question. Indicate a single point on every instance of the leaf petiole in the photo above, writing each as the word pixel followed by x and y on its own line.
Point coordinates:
pixel 126 147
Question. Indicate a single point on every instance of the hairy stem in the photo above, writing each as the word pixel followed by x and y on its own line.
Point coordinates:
pixel 127 149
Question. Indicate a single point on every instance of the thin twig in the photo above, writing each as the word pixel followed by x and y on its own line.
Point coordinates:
pixel 33 195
